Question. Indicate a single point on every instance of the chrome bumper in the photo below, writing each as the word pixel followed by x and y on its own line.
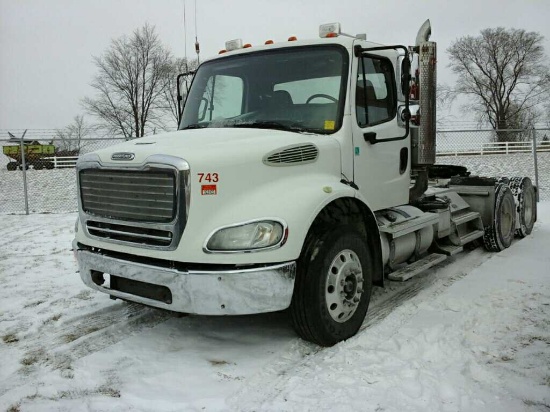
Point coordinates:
pixel 229 292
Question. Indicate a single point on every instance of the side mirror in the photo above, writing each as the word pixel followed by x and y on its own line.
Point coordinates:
pixel 179 96
pixel 202 109
pixel 405 75
pixel 182 85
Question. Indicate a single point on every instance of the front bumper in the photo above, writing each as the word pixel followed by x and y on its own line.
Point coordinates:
pixel 223 292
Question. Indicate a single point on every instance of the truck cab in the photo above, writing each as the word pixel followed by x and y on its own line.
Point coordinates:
pixel 294 181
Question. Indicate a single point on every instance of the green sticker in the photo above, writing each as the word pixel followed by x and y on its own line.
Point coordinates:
pixel 356 151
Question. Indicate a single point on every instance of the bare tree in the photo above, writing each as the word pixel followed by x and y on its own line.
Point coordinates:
pixel 504 74
pixel 130 83
pixel 71 137
pixel 169 102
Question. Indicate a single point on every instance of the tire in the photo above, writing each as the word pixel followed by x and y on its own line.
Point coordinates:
pixel 499 235
pixel 39 166
pixel 526 205
pixel 11 166
pixel 333 286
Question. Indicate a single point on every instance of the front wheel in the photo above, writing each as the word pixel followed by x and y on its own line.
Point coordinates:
pixel 333 286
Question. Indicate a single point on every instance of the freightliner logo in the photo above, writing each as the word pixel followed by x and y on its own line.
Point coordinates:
pixel 122 156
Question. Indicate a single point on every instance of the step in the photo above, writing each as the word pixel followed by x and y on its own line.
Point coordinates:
pixel 417 267
pixel 464 218
pixel 476 234
pixel 449 250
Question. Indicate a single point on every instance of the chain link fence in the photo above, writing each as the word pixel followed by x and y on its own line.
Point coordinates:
pixel 37 174
pixel 519 153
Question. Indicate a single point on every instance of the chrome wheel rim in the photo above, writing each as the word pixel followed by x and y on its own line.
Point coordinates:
pixel 344 285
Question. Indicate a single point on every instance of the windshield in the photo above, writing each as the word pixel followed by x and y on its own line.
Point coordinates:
pixel 298 89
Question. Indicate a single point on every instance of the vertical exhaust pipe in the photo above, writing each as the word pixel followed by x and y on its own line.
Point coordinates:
pixel 423 139
pixel 424 33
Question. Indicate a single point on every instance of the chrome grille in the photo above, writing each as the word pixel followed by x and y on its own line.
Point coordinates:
pixel 132 234
pixel 292 155
pixel 140 196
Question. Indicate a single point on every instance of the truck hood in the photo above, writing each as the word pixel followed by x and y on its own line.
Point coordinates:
pixel 215 146
pixel 235 176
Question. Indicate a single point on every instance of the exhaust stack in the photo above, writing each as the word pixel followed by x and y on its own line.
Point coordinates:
pixel 423 142
pixel 424 33
pixel 423 138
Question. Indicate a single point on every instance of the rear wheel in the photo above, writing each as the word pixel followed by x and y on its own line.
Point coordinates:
pixel 526 204
pixel 333 286
pixel 11 166
pixel 499 234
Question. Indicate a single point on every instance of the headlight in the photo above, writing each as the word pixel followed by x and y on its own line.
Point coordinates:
pixel 248 236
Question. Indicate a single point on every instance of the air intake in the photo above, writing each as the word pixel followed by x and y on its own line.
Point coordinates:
pixel 292 155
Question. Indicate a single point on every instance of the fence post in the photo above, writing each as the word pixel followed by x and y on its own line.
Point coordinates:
pixel 24 170
pixel 507 147
pixel 535 162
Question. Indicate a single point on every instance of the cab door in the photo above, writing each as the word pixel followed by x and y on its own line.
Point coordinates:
pixel 381 151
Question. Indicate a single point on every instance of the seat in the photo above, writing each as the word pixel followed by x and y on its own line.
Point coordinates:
pixel 280 99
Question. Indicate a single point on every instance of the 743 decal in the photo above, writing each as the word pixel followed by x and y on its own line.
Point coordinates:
pixel 208 177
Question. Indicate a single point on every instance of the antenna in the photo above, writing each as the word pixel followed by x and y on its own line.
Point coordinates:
pixel 197 46
pixel 185 37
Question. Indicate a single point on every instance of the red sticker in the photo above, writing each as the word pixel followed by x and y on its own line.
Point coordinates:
pixel 209 190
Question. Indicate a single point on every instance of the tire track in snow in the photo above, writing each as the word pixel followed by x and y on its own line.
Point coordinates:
pixel 437 276
pixel 78 337
pixel 298 356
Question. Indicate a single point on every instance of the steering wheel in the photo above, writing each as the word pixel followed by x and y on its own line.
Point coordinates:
pixel 320 95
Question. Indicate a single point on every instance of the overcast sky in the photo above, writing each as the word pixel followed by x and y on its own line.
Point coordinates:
pixel 46 47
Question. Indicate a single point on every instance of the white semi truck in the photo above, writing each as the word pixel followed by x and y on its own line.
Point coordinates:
pixel 298 179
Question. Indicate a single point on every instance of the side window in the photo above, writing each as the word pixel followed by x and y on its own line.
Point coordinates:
pixel 375 100
pixel 222 98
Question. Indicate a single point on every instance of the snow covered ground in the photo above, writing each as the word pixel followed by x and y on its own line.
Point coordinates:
pixel 472 334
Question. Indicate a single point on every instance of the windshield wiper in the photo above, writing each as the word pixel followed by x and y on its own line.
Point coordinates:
pixel 194 126
pixel 271 125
